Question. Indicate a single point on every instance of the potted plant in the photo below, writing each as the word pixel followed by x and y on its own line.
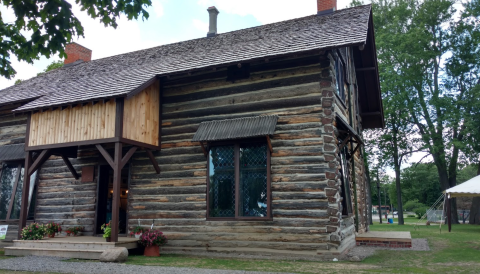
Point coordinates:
pixel 107 231
pixel 52 229
pixel 137 232
pixel 77 231
pixel 33 231
pixel 152 240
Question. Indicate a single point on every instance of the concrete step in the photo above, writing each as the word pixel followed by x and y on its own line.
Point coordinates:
pixel 90 254
pixel 63 245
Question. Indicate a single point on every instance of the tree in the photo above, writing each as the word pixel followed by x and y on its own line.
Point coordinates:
pixel 44 27
pixel 435 57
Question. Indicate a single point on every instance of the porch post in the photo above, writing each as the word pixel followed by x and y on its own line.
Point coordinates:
pixel 25 191
pixel 449 214
pixel 117 177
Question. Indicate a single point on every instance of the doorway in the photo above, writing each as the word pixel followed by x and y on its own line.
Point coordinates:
pixel 105 199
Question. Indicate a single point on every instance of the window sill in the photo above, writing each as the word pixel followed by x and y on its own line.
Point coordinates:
pixel 340 100
pixel 247 219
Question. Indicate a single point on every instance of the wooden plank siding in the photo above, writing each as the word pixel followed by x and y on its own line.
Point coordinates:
pixel 78 123
pixel 141 121
pixel 303 163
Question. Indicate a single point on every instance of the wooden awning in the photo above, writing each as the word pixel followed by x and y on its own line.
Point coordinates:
pixel 236 128
pixel 342 125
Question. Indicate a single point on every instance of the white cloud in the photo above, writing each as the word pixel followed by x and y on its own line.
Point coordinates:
pixel 200 25
pixel 269 11
pixel 157 8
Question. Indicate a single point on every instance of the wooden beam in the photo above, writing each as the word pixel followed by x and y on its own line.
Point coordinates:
pixel 119 117
pixel 449 214
pixel 107 156
pixel 269 144
pixel 127 156
pixel 70 167
pixel 117 181
pixel 154 161
pixel 204 149
pixel 41 158
pixel 344 141
pixel 25 192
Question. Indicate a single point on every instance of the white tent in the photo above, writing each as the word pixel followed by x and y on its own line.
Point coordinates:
pixel 470 188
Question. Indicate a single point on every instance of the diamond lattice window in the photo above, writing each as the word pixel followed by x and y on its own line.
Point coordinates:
pixel 249 164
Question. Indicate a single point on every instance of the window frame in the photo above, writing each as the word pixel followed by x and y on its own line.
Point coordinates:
pixel 345 187
pixel 340 77
pixel 20 165
pixel 236 143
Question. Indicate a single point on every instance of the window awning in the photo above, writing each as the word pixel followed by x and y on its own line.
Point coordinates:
pixel 12 152
pixel 236 128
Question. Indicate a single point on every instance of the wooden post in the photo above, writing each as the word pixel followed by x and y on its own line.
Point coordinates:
pixel 117 180
pixel 25 191
pixel 449 214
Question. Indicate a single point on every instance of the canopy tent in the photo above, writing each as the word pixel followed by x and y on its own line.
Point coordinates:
pixel 470 188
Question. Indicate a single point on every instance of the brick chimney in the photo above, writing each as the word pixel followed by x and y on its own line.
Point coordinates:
pixel 77 52
pixel 326 6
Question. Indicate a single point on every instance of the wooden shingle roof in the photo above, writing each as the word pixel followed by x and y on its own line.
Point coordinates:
pixel 124 74
pixel 12 152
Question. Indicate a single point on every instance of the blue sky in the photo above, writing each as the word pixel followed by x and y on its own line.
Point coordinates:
pixel 170 21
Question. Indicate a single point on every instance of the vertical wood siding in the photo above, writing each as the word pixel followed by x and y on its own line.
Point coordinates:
pixel 141 116
pixel 80 123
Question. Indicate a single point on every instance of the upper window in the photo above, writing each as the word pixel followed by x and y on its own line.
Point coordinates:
pixel 340 75
pixel 11 187
pixel 239 181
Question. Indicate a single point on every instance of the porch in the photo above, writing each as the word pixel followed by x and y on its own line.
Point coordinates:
pixel 81 247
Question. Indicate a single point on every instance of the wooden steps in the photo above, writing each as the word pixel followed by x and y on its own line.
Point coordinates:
pixel 385 239
pixel 68 247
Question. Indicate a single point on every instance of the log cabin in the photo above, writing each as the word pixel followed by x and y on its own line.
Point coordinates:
pixel 248 141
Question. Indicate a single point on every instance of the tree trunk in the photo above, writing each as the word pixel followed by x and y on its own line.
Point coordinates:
pixel 445 184
pixel 368 189
pixel 399 194
pixel 474 218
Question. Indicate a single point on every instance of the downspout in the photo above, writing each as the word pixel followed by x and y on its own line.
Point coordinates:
pixel 353 159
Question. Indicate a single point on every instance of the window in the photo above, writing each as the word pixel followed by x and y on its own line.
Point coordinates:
pixel 239 181
pixel 340 75
pixel 11 187
pixel 345 177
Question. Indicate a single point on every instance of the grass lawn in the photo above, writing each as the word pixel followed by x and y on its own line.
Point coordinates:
pixel 458 251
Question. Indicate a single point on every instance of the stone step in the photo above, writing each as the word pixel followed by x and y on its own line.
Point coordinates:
pixel 63 245
pixel 89 254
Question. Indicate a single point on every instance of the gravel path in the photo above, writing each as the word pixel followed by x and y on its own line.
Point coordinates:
pixel 54 264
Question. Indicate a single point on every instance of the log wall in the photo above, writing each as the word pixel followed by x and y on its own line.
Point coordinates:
pixel 80 123
pixel 304 164
pixel 141 116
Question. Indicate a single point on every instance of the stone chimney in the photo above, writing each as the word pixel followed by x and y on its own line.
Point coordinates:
pixel 77 52
pixel 326 6
pixel 212 28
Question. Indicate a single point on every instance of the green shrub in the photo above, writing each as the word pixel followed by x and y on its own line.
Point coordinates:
pixel 412 205
pixel 411 215
pixel 420 211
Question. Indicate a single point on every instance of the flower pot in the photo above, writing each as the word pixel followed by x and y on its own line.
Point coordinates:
pixel 108 239
pixel 152 251
pixel 137 236
pixel 51 235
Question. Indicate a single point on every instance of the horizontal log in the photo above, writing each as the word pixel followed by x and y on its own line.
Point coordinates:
pixel 299 177
pixel 300 204
pixel 139 199
pixel 66 201
pixel 64 208
pixel 258 236
pixel 298 195
pixel 168 183
pixel 318 214
pixel 310 100
pixel 301 169
pixel 278 112
pixel 65 215
pixel 168 191
pixel 83 187
pixel 190 206
pixel 296 143
pixel 300 134
pixel 249 244
pixel 143 214
pixel 297 151
pixel 200 223
pixel 66 194
pixel 302 186
pixel 297 160
pixel 170 174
